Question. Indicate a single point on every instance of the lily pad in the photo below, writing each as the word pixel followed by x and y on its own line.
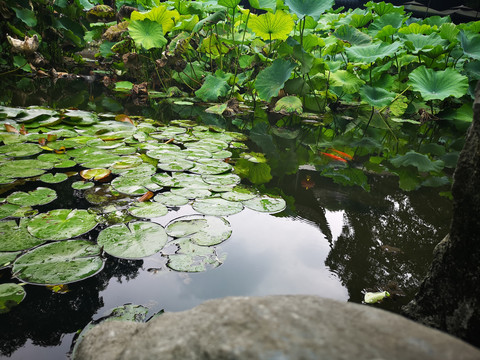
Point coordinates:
pixel 191 192
pixel 7 258
pixel 135 240
pixel 20 150
pixel 59 262
pixel 82 185
pixel 10 295
pixel 61 224
pixel 148 210
pixel 239 193
pixel 190 257
pixel 15 237
pixel 134 185
pixel 210 167
pixel 95 174
pixel 39 196
pixel 177 165
pixel 267 204
pixel 53 178
pixel 222 179
pixel 24 168
pixel 170 199
pixel 203 230
pixel 217 206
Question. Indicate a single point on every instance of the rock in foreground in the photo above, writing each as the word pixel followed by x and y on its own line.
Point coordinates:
pixel 273 327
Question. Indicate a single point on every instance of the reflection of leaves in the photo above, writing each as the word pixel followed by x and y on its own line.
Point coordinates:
pixel 420 161
pixel 347 176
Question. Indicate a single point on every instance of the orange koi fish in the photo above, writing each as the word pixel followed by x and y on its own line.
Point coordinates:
pixel 334 157
pixel 345 155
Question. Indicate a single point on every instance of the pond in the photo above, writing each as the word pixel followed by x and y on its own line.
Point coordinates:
pixel 331 240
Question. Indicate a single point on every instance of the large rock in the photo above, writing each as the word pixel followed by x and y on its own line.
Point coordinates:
pixel 273 327
pixel 449 297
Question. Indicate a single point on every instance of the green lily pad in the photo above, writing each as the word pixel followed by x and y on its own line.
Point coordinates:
pixel 210 167
pixel 10 295
pixel 53 178
pixel 170 199
pixel 239 193
pixel 39 196
pixel 191 192
pixel 79 117
pixel 266 204
pixel 24 168
pixel 222 179
pixel 190 257
pixel 177 165
pixel 210 145
pixel 203 230
pixel 7 258
pixel 82 185
pixel 15 237
pixel 61 224
pixel 7 210
pixel 148 210
pixel 217 206
pixel 59 262
pixel 20 150
pixel 135 240
pixel 134 185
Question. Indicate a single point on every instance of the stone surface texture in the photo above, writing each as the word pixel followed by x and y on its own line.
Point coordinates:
pixel 449 297
pixel 292 327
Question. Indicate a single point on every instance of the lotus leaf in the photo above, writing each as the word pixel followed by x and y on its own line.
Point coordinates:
pixel 272 79
pixel 15 237
pixel 135 240
pixel 20 150
pixel 376 96
pixel 203 230
pixel 147 33
pixel 212 89
pixel 420 161
pixel 438 85
pixel 10 295
pixel 351 35
pixel 148 210
pixel 170 199
pixel 370 53
pixel 61 224
pixel 289 105
pixel 313 8
pixel 82 185
pixel 271 26
pixel 160 15
pixel 229 3
pixel 349 82
pixel 267 204
pixel 59 262
pixel 191 257
pixel 470 45
pixel 39 196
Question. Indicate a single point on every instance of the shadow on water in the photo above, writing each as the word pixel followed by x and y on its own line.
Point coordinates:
pixel 334 241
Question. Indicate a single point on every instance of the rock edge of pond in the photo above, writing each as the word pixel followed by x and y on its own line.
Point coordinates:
pixel 273 327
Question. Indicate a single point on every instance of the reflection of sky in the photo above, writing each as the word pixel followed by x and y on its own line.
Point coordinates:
pixel 265 255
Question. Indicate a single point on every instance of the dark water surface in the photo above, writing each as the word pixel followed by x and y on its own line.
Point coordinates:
pixel 338 242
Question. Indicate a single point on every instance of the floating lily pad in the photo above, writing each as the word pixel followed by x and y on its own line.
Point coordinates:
pixel 133 241
pixel 39 196
pixel 176 165
pixel 7 210
pixel 170 199
pixel 59 262
pixel 267 204
pixel 80 117
pixel 203 230
pixel 191 192
pixel 10 295
pixel 7 258
pixel 134 185
pixel 239 193
pixel 24 168
pixel 15 237
pixel 148 210
pixel 20 150
pixel 95 174
pixel 191 257
pixel 53 178
pixel 82 185
pixel 164 179
pixel 210 167
pixel 61 224
pixel 222 179
pixel 217 206
pixel 103 194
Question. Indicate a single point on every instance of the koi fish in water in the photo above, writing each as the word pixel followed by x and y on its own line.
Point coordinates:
pixel 334 157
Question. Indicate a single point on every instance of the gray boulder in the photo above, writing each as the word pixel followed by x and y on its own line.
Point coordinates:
pixel 273 327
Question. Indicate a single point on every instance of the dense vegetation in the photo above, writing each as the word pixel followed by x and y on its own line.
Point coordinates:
pixel 391 93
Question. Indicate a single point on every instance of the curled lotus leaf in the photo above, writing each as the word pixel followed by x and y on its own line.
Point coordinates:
pixel 134 240
pixel 39 196
pixel 60 262
pixel 11 294
pixel 61 224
